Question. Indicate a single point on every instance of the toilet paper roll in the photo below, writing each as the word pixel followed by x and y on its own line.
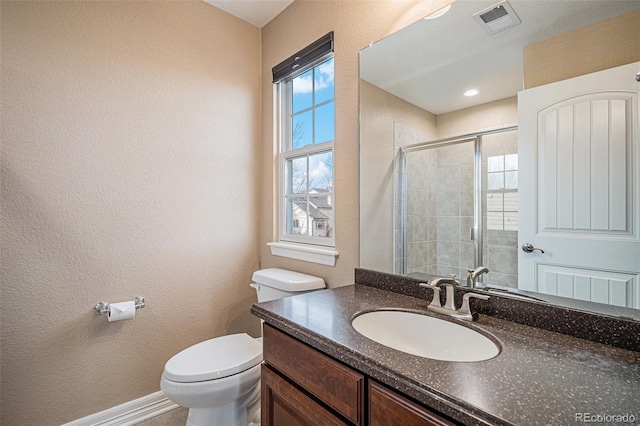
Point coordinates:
pixel 122 310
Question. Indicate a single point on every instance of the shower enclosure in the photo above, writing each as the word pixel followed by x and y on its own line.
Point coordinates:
pixel 457 206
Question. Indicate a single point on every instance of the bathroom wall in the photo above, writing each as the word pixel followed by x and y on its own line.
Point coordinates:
pixel 381 109
pixel 583 51
pixel 355 25
pixel 131 146
pixel 501 113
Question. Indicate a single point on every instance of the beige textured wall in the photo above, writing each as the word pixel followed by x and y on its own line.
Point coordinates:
pixel 131 140
pixel 607 44
pixel 378 111
pixel 355 25
pixel 483 117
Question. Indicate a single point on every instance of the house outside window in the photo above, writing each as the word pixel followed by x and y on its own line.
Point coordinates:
pixel 306 129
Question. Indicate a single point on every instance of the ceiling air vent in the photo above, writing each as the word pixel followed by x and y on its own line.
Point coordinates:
pixel 497 18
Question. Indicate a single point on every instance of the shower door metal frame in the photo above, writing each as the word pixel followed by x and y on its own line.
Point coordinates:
pixel 401 187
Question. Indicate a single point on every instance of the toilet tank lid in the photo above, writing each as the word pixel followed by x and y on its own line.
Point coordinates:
pixel 214 359
pixel 286 280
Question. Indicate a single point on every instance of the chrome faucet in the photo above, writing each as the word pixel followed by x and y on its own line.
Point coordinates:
pixel 449 307
pixel 474 274
pixel 451 286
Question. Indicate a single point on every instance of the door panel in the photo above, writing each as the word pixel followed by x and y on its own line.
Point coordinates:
pixel 583 170
pixel 579 156
pixel 607 287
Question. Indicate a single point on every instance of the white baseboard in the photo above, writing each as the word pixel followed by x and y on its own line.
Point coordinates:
pixel 129 413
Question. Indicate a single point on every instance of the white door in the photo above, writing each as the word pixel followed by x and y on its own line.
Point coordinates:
pixel 579 187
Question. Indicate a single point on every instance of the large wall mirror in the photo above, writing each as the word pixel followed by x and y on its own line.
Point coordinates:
pixel 505 135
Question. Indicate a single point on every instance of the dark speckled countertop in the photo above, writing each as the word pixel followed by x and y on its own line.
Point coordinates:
pixel 540 377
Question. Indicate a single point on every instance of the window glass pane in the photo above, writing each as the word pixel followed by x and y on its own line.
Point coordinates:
pixel 321 172
pixel 495 164
pixel 302 130
pixel 511 201
pixel 323 80
pixel 303 91
pixel 511 180
pixel 297 217
pixel 297 175
pixel 510 221
pixel 511 162
pixel 324 123
pixel 321 214
pixel 495 181
pixel 494 202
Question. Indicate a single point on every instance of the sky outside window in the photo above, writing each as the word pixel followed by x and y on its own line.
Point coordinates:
pixel 313 106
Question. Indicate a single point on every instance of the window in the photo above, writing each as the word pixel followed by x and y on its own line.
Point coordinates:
pixel 306 132
pixel 502 192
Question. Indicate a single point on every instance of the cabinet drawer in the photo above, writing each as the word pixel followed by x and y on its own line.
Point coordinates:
pixel 335 384
pixel 386 407
pixel 283 404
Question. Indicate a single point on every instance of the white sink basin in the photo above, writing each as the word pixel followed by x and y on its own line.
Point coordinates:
pixel 425 336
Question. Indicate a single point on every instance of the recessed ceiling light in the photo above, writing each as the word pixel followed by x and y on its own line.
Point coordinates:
pixel 471 92
pixel 438 13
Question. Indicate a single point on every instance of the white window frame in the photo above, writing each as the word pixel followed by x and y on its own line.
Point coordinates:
pixel 303 247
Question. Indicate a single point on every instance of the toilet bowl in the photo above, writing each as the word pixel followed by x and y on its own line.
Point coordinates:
pixel 219 379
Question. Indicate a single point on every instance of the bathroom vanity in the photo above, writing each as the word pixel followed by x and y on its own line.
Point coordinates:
pixel 319 370
pixel 299 382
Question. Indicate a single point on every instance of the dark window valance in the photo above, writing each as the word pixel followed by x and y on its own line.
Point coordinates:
pixel 314 51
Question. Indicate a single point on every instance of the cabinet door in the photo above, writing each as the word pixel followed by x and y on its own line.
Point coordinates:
pixel 333 383
pixel 386 407
pixel 285 405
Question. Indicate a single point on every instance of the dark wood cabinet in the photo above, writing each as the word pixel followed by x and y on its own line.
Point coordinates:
pixel 331 382
pixel 285 405
pixel 302 386
pixel 387 407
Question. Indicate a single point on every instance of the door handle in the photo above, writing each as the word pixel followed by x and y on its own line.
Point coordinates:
pixel 529 248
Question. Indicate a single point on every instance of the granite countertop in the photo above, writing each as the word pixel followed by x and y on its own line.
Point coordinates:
pixel 540 377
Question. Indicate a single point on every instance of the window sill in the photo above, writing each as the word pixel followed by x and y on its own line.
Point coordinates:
pixel 305 252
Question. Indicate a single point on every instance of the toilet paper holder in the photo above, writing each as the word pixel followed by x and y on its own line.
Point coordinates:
pixel 102 308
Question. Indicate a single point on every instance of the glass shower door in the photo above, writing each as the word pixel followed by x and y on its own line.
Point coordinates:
pixel 440 208
pixel 460 207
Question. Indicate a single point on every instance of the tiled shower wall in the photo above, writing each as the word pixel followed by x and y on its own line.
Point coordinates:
pixel 421 210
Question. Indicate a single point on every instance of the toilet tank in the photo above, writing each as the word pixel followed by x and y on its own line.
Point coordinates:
pixel 275 283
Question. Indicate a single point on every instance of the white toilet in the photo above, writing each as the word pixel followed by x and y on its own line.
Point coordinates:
pixel 219 379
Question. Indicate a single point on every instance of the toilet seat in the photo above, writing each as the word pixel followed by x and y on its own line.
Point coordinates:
pixel 214 359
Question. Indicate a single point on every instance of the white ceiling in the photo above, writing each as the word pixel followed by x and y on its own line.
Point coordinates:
pixel 256 12
pixel 432 62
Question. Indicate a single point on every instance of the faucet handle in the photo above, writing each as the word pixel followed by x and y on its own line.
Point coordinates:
pixel 435 301
pixel 466 309
pixel 450 299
